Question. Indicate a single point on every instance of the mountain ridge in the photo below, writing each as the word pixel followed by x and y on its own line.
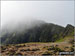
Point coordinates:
pixel 46 32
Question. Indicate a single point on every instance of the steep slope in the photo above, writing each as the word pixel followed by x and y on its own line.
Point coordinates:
pixel 68 31
pixel 46 32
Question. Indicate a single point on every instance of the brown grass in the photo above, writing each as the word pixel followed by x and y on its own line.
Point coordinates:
pixel 36 48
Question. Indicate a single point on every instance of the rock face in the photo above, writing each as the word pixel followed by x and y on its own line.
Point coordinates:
pixel 69 30
pixel 41 32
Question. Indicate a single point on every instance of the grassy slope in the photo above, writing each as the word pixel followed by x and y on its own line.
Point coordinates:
pixel 65 39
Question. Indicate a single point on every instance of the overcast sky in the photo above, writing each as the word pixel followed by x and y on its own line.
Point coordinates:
pixel 58 12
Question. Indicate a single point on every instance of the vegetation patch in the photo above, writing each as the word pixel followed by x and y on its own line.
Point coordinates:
pixel 19 54
pixel 47 53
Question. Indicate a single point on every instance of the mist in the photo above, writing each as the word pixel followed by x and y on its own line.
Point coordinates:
pixel 16 14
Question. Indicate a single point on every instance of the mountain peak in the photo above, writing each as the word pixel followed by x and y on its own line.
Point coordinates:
pixel 69 25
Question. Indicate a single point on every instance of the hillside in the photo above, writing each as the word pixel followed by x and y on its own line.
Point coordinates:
pixel 46 32
pixel 39 48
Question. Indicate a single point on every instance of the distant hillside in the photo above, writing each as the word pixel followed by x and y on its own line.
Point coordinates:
pixel 46 32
